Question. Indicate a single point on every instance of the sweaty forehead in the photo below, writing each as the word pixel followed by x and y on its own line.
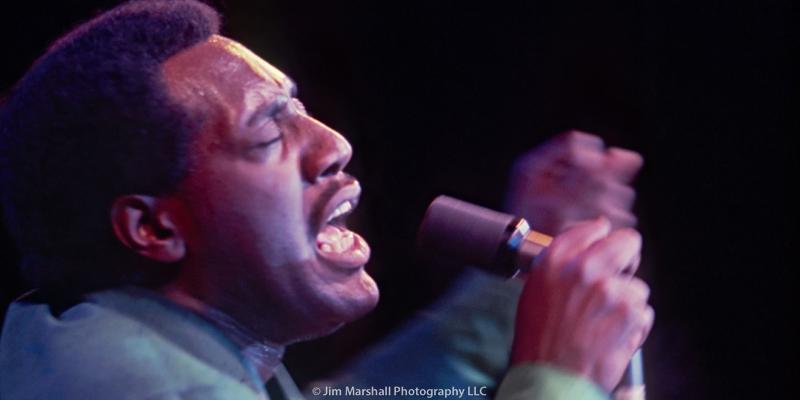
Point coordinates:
pixel 225 70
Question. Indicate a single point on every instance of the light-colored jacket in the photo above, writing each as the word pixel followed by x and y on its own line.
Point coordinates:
pixel 119 344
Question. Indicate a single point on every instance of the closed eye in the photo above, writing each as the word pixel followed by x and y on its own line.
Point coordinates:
pixel 270 142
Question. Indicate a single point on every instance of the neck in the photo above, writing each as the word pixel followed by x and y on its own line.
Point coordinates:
pixel 264 355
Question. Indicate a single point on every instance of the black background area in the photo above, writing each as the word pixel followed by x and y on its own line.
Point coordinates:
pixel 439 97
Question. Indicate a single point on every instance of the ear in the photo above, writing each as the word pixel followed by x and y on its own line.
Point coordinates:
pixel 148 226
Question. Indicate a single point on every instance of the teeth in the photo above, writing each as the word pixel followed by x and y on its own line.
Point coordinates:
pixel 347 240
pixel 343 208
pixel 335 240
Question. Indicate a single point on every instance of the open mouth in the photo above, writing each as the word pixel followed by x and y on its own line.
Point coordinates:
pixel 340 246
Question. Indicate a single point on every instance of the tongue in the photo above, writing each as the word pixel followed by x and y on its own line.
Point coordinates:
pixel 334 240
pixel 344 247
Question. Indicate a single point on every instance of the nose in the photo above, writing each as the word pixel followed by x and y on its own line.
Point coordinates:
pixel 326 154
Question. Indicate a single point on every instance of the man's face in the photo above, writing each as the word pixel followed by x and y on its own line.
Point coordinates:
pixel 261 200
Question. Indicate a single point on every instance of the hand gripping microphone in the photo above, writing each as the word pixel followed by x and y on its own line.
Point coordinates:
pixel 454 231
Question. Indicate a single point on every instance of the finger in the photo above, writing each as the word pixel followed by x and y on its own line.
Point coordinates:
pixel 569 156
pixel 617 195
pixel 560 146
pixel 621 219
pixel 607 294
pixel 589 160
pixel 580 149
pixel 641 330
pixel 575 240
pixel 628 299
pixel 599 196
pixel 636 292
pixel 581 139
pixel 647 324
pixel 631 269
pixel 622 164
pixel 611 255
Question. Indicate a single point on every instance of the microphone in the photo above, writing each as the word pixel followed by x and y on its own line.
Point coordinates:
pixel 454 231
pixel 468 234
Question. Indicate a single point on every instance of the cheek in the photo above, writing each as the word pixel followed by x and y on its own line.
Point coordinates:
pixel 251 208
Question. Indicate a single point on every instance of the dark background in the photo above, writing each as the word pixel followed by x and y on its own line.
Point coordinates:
pixel 439 97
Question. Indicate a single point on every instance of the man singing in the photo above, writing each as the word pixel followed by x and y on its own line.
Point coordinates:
pixel 183 220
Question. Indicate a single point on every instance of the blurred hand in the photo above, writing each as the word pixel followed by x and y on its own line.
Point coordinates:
pixel 570 178
pixel 578 310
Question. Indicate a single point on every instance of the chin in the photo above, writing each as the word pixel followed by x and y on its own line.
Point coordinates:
pixel 355 302
pixel 348 305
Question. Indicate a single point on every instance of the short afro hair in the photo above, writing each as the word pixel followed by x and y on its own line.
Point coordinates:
pixel 90 121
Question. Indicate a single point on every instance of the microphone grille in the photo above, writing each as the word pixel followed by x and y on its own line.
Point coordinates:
pixel 454 231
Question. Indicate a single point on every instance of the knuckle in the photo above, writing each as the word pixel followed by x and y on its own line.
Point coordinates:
pixel 570 135
pixel 624 151
pixel 582 273
pixel 575 134
pixel 568 158
pixel 632 156
pixel 621 218
pixel 629 311
pixel 630 220
pixel 641 288
pixel 630 235
pixel 627 194
pixel 630 316
pixel 583 277
pixel 650 317
pixel 601 186
pixel 635 340
pixel 605 291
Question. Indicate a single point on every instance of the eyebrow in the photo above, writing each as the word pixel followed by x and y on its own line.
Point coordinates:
pixel 273 108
